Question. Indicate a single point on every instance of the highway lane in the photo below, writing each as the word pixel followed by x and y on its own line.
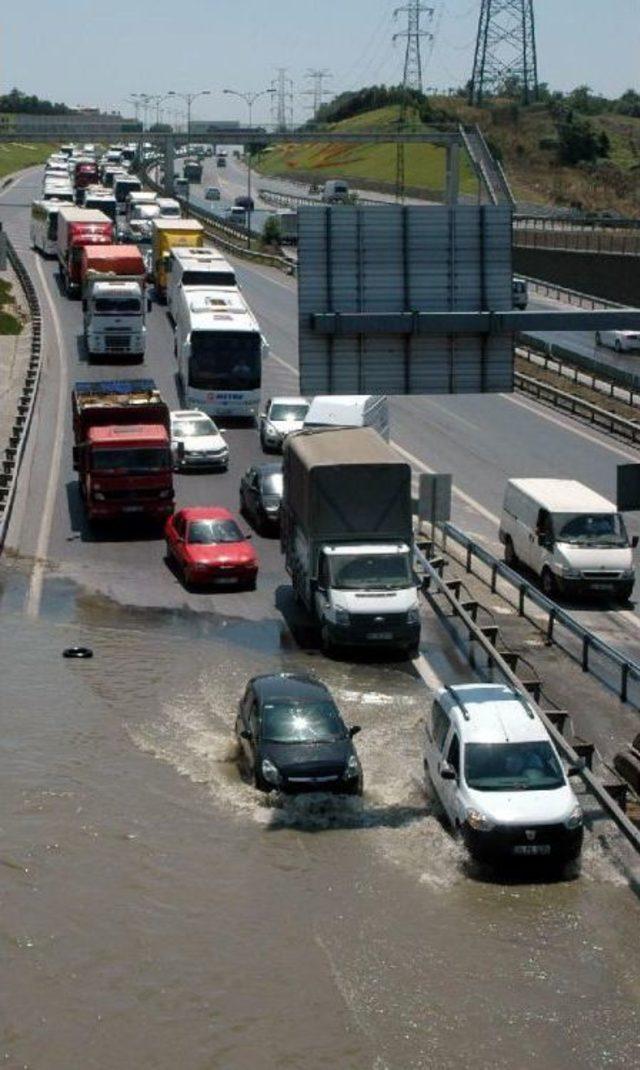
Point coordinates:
pixel 165 887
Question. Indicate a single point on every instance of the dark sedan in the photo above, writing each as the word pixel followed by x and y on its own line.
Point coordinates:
pixel 293 739
pixel 261 495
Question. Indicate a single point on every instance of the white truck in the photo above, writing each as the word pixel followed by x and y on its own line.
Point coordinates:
pixel 347 537
pixel 114 301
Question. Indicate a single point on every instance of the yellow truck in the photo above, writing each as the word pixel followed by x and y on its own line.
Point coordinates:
pixel 167 235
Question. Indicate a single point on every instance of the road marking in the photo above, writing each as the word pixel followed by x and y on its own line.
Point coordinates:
pixel 34 593
pixel 569 426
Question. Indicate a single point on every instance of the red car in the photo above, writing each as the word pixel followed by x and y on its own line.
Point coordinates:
pixel 209 547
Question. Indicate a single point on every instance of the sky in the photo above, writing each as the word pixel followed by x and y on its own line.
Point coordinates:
pixel 101 53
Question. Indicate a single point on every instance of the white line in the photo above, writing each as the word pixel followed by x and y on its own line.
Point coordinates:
pixel 538 410
pixel 34 593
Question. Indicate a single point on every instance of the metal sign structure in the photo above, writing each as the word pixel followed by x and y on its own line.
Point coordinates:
pixel 370 280
pixel 434 504
pixel 628 488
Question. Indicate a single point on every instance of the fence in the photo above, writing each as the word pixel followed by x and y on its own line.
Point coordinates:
pixel 615 236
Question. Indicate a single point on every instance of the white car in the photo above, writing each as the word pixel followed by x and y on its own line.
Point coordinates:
pixel 281 416
pixel 196 442
pixel 621 341
pixel 495 770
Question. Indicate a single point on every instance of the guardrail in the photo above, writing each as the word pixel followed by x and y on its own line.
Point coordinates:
pixel 14 452
pixel 534 232
pixel 627 670
pixel 560 399
pixel 571 297
pixel 588 372
pixel 275 197
pixel 477 636
pixel 223 233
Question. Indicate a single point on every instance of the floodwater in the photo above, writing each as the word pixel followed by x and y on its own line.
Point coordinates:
pixel 156 913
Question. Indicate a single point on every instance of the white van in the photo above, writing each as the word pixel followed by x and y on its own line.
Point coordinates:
pixel 572 538
pixel 336 191
pixel 349 410
pixel 520 290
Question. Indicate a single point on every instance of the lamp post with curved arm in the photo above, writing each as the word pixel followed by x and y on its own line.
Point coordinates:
pixel 249 99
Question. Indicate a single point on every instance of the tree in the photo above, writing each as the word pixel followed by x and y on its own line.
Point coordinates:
pixel 271 232
pixel 579 142
pixel 18 102
pixel 629 103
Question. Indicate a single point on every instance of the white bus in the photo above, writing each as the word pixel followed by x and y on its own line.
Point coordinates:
pixel 205 269
pixel 44 226
pixel 220 350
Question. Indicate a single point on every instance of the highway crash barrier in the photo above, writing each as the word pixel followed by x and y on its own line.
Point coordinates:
pixel 19 432
pixel 612 797
pixel 601 378
pixel 625 671
pixel 604 420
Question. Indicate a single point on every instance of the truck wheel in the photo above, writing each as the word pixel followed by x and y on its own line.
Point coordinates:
pixel 413 651
pixel 328 647
pixel 510 558
pixel 548 583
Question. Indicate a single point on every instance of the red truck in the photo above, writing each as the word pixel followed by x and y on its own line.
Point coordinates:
pixel 112 260
pixel 78 227
pixel 122 450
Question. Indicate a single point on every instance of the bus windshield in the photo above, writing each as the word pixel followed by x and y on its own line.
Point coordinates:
pixel 229 360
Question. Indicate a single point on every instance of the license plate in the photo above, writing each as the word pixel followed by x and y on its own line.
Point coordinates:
pixel 533 849
pixel 132 508
pixel 379 635
pixel 602 586
pixel 227 579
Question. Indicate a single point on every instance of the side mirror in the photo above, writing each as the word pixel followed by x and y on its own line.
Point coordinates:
pixel 447 772
pixel 321 590
pixel 248 536
pixel 354 730
pixel 634 541
pixel 246 735
pixel 577 768
pixel 181 450
pixel 149 306
pixel 546 541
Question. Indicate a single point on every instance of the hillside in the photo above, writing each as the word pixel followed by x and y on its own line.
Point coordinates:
pixel 16 156
pixel 526 140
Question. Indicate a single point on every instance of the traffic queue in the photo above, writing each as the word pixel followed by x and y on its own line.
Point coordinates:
pixel 340 499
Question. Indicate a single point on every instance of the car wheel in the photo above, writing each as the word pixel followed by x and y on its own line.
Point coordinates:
pixel 259 783
pixel 624 594
pixel 548 583
pixel 598 338
pixel 510 558
pixel 413 651
pixel 251 585
pixel 325 642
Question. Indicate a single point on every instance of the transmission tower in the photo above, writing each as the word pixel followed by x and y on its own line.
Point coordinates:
pixel 318 92
pixel 412 78
pixel 505 53
pixel 282 99
pixel 414 33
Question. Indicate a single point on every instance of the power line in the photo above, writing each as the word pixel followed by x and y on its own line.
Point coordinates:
pixel 505 50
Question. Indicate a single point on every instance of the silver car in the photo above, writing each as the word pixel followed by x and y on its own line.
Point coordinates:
pixel 196 442
pixel 280 417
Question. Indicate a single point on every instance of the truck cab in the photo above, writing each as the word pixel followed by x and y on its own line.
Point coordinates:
pixel 114 317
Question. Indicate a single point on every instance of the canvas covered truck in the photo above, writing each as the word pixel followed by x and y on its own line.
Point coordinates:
pixel 78 227
pixel 122 450
pixel 347 537
pixel 114 300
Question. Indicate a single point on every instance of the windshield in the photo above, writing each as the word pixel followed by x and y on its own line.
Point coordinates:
pixel 209 278
pixel 289 413
pixel 133 461
pixel 586 529
pixel 309 722
pixel 273 484
pixel 118 306
pixel 194 428
pixel 225 360
pixel 122 188
pixel 209 532
pixel 512 767
pixel 169 213
pixel 389 572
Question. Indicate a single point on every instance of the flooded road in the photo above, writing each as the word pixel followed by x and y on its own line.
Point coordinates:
pixel 157 913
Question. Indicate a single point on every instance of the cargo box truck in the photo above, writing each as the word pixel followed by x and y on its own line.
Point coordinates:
pixel 114 301
pixel 78 227
pixel 347 537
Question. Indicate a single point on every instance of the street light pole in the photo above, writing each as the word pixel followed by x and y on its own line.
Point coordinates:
pixel 249 99
pixel 189 99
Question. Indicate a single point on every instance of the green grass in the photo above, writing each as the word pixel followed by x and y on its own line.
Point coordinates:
pixel 425 165
pixel 16 156
pixel 9 324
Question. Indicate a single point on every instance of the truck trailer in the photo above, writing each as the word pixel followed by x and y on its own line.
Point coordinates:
pixel 78 227
pixel 114 300
pixel 347 537
pixel 167 234
pixel 122 450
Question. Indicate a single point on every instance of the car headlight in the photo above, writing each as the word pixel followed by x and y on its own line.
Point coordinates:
pixel 569 573
pixel 342 616
pixel 270 771
pixel 478 821
pixel 352 767
pixel 574 820
pixel 98 495
pixel 629 574
pixel 413 616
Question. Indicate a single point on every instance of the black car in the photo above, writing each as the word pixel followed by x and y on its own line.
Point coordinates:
pixel 292 737
pixel 245 202
pixel 261 495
